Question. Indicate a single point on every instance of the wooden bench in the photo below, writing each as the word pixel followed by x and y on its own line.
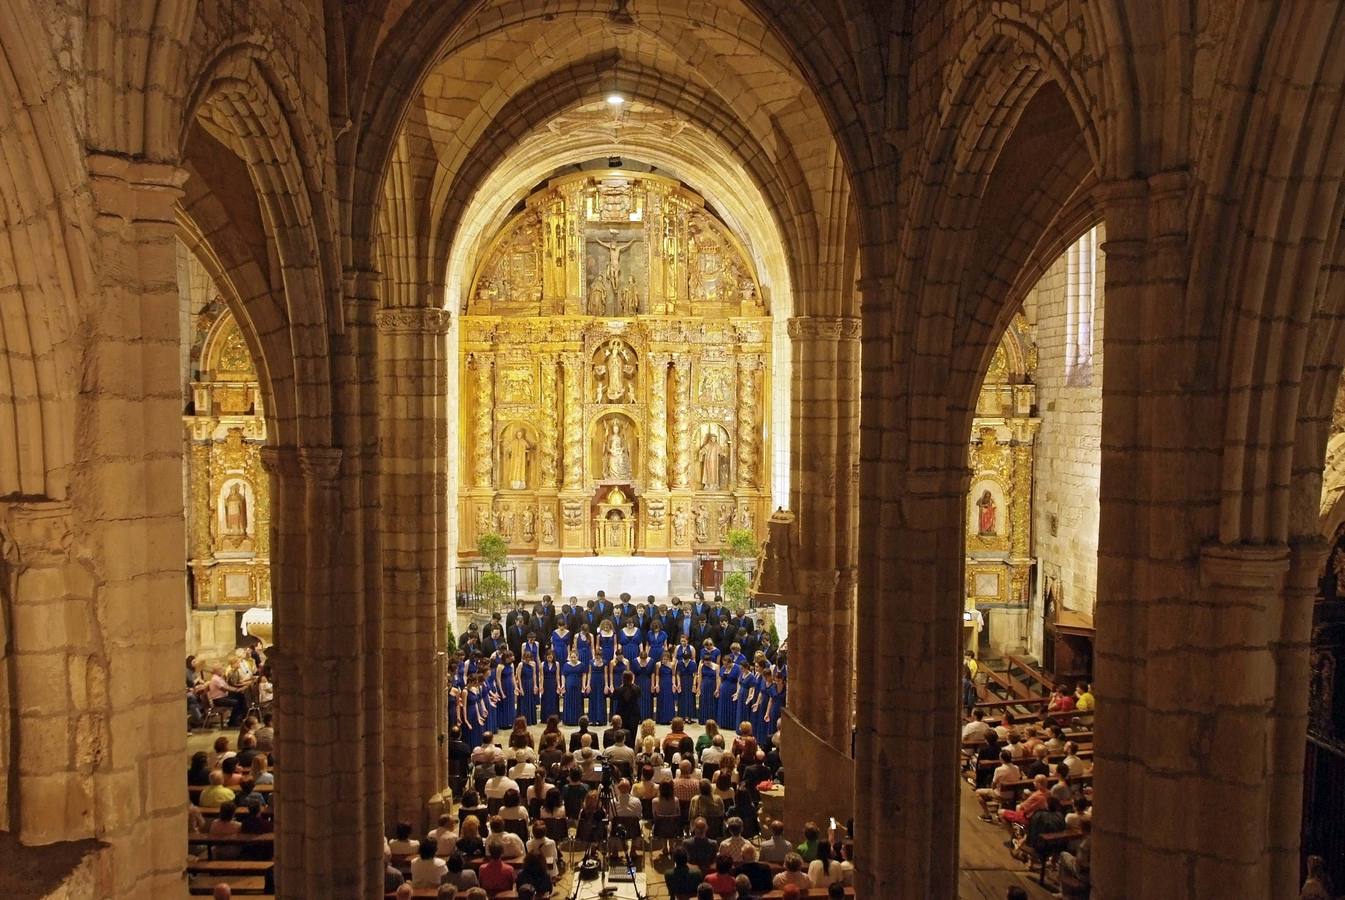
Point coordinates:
pixel 246 884
pixel 211 841
pixel 432 893
pixel 230 867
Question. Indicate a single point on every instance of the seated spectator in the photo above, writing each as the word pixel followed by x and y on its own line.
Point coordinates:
pixel 216 794
pixel 1083 697
pixel 427 870
pixel 499 783
pixel 469 840
pixel 392 876
pixel 712 754
pixel 1037 800
pixel 403 844
pixel 835 891
pixel 1080 812
pixel 445 837
pixel 447 892
pixel 687 784
pixel 254 822
pixel 847 864
pixel 545 846
pixel 722 878
pixel 822 871
pixel 221 752
pixel 619 754
pixel 459 875
pixel 665 804
pixel 610 735
pixel 662 771
pixel 520 738
pixel 705 892
pixel 627 806
pixel 648 788
pixel 266 734
pixel 705 803
pixel 793 875
pixel 678 741
pixel 198 774
pixel 404 891
pixel 1075 864
pixel 1001 786
pixel 1061 790
pixel 807 849
pixel 229 769
pixel 537 790
pixel 759 874
pixel 575 792
pixel 708 736
pixel 977 728
pixel 247 794
pixel 510 844
pixel 745 810
pixel 261 770
pixel 683 878
pixel 699 848
pixel 535 873
pixel 775 848
pixel 1005 726
pixel 522 771
pixel 247 750
pixel 512 809
pixel 471 806
pixel 733 845
pixel 724 788
pixel 552 806
pixel 1076 766
pixel 1040 765
pixel 495 874
pixel 224 824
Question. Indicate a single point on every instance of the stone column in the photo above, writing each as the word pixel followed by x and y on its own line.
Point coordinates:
pixel 658 422
pixel 681 469
pixel 413 375
pixel 482 366
pixel 572 365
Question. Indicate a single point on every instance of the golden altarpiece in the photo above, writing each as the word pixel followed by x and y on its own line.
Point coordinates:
pixel 999 501
pixel 228 528
pixel 615 371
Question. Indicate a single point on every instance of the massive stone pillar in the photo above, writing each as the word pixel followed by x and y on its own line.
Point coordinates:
pixel 413 376
pixel 825 458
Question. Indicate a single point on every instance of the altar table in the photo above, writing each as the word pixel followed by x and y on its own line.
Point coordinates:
pixel 638 576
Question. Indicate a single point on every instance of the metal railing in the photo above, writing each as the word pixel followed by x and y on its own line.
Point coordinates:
pixel 468 587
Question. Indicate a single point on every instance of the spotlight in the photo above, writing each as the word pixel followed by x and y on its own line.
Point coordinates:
pixel 615 99
pixel 614 162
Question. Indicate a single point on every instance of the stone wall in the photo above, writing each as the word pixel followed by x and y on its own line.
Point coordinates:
pixel 1068 462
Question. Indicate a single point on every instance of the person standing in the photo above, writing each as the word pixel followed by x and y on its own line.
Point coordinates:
pixel 573 673
pixel 665 705
pixel 708 689
pixel 550 686
pixel 526 682
pixel 685 681
pixel 626 702
pixel 597 687
pixel 643 667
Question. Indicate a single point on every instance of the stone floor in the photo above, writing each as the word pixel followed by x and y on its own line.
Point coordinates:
pixel 987 869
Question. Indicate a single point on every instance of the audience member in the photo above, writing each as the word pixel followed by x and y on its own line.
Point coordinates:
pixel 495 874
pixel 759 874
pixel 459 875
pixel 428 870
pixel 683 878
pixel 793 875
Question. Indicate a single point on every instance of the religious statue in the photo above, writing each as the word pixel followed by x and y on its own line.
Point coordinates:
pixel 517 451
pixel 597 298
pixel 483 520
pixel 548 526
pixel 615 374
pixel 614 251
pixel 679 520
pixel 528 522
pixel 746 521
pixel 702 525
pixel 630 297
pixel 236 512
pixel 725 521
pixel 505 521
pixel 986 516
pixel 712 458
pixel 616 454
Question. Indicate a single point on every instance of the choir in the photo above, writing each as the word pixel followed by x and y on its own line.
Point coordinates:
pixel 699 661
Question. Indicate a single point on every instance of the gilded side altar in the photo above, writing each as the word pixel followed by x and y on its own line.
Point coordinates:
pixel 615 363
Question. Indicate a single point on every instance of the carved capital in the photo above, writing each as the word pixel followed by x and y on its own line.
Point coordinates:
pixel 830 328
pixel 34 533
pixel 413 320
pixel 320 464
pixel 1244 567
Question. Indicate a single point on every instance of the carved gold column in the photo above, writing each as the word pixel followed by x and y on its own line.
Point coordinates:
pixel 749 410
pixel 483 370
pixel 549 451
pixel 658 421
pixel 681 474
pixel 573 365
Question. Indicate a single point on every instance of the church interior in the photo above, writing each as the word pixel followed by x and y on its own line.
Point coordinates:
pixel 957 382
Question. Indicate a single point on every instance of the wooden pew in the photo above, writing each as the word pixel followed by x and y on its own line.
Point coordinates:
pixel 240 884
pixel 211 841
pixel 432 893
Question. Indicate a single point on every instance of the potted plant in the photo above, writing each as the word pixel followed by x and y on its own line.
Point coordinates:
pixel 740 553
pixel 492 587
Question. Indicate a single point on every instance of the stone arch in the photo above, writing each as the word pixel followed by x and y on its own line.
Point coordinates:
pixel 1281 146
pixel 245 99
pixel 45 267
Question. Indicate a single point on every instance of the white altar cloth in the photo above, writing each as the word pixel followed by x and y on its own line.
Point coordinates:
pixel 639 576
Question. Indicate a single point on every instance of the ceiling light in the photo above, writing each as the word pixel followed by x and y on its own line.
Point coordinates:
pixel 615 99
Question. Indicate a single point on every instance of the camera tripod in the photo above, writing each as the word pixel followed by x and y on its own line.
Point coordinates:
pixel 601 838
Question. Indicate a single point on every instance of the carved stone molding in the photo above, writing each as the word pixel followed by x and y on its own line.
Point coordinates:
pixel 413 320
pixel 34 533
pixel 834 328
pixel 1244 567
pixel 321 464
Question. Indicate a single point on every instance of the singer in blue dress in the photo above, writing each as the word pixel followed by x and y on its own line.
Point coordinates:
pixel 709 683
pixel 473 726
pixel 597 690
pixel 583 644
pixel 686 679
pixel 561 639
pixel 729 701
pixel 665 701
pixel 770 720
pixel 573 672
pixel 631 639
pixel 526 676
pixel 643 667
pixel 656 638
pixel 550 688
pixel 620 666
pixel 506 710
pixel 606 640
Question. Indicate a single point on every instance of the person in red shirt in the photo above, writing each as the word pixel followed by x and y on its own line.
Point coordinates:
pixel 1037 800
pixel 1061 701
pixel 722 878
pixel 495 874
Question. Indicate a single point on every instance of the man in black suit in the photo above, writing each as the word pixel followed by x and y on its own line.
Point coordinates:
pixel 610 735
pixel 700 850
pixel 602 609
pixel 579 734
pixel 544 616
pixel 626 699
